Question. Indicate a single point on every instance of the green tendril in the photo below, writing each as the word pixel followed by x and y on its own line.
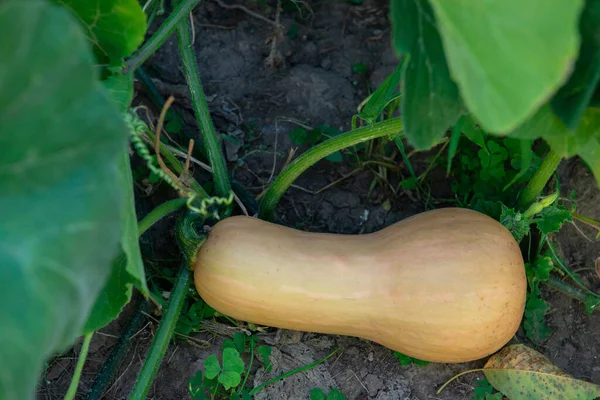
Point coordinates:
pixel 211 201
pixel 137 128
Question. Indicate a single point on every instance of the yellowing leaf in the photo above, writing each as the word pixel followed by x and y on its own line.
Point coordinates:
pixel 523 373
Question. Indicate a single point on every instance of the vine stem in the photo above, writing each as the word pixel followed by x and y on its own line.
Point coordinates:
pixel 159 212
pixel 457 376
pixel 115 358
pixel 207 129
pixel 567 289
pixel 306 160
pixel 180 12
pixel 80 362
pixel 540 178
pixel 165 330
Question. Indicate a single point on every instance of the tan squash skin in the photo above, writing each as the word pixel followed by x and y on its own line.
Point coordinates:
pixel 445 286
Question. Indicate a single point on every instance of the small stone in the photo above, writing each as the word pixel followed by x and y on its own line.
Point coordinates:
pixel 373 384
pixel 370 356
pixel 353 351
pixel 570 350
pixel 326 63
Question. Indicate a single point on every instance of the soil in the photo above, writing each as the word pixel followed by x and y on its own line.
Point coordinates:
pixel 315 84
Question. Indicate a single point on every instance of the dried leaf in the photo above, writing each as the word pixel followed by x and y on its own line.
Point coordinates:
pixel 523 373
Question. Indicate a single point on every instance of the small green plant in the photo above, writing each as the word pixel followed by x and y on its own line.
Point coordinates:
pixel 226 379
pixel 360 68
pixel 406 360
pixel 485 391
pixel 223 380
pixel 319 394
pixel 302 136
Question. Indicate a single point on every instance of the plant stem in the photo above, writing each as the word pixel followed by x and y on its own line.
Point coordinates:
pixel 207 129
pixel 252 346
pixel 80 362
pixel 540 178
pixel 587 220
pixel 113 361
pixel 165 330
pixel 180 12
pixel 306 160
pixel 158 213
pixel 567 289
pixel 457 376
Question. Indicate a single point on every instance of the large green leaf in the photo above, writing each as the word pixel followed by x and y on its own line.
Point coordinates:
pixel 591 155
pixel 567 143
pixel 116 27
pixel 60 203
pixel 127 269
pixel 508 57
pixel 430 100
pixel 571 100
pixel 120 87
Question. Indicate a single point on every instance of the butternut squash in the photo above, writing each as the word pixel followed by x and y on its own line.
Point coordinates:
pixel 446 286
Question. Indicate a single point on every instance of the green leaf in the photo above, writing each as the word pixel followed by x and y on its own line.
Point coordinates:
pixel 514 222
pixel 335 394
pixel 299 136
pixel 115 27
pixel 430 100
pixel 60 203
pixel 325 132
pixel 265 353
pixel 591 303
pixel 473 132
pixel 127 269
pixel 523 373
pixel 232 361
pixel 381 97
pixel 524 159
pixel 293 31
pixel 454 140
pixel 552 218
pixel 239 339
pixel 360 68
pixel 196 386
pixel 115 294
pixel 211 367
pixel 591 155
pixel 489 208
pixel 566 143
pixel 317 394
pixel 120 87
pixel 542 267
pixel 571 100
pixel 335 157
pixel 406 360
pixel 508 57
pixel 233 366
pixel 230 379
pixel 409 183
pixel 482 389
pixel 535 312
